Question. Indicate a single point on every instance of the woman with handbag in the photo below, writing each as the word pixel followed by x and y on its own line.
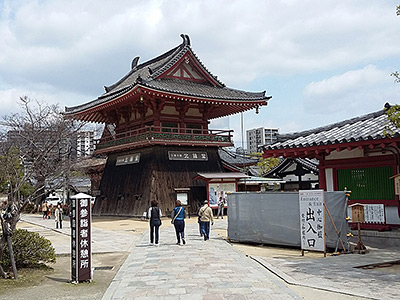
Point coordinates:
pixel 154 214
pixel 178 219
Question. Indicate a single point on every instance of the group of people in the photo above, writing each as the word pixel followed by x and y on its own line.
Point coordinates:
pixel 58 213
pixel 178 215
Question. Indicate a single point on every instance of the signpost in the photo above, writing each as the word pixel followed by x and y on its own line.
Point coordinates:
pixel 358 216
pixel 312 220
pixel 81 260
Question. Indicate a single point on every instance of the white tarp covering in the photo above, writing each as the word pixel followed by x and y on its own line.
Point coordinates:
pixel 273 218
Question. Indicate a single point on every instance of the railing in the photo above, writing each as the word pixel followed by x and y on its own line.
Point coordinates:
pixel 159 135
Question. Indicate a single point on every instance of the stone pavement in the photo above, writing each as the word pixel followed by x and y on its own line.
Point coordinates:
pixel 216 270
pixel 103 241
pixel 341 273
pixel 198 270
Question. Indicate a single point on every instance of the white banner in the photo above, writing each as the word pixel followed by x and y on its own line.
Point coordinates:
pixel 312 223
pixel 374 213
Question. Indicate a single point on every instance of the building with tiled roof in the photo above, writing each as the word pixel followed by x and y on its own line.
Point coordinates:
pixel 156 136
pixel 353 154
pixel 298 173
pixel 177 75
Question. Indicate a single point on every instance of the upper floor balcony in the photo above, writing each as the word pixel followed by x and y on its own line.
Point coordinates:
pixel 155 135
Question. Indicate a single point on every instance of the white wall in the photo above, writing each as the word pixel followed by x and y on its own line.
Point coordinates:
pixel 329 179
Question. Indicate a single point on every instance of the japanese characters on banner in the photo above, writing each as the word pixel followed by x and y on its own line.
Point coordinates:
pixel 312 223
pixel 81 239
pixel 374 213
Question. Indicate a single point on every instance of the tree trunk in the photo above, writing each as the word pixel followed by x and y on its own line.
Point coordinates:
pixel 10 248
pixel 2 244
pixel 8 226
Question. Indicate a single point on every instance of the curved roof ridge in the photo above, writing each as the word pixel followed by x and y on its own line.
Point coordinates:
pixel 294 135
pixel 158 58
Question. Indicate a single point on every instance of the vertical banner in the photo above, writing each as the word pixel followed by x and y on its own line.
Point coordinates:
pixel 312 223
pixel 81 239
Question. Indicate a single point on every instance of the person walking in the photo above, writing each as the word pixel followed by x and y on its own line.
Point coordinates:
pixel 206 217
pixel 49 211
pixel 198 221
pixel 154 214
pixel 221 205
pixel 44 209
pixel 178 219
pixel 58 214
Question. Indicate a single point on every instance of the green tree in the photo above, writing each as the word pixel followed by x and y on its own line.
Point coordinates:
pixel 265 164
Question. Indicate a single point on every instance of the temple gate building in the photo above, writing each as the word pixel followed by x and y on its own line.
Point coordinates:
pixel 156 136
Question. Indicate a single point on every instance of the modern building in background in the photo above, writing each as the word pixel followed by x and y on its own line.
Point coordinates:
pixel 258 137
pixel 85 144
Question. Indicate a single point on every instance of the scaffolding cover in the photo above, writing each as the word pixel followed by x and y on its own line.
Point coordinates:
pixel 274 218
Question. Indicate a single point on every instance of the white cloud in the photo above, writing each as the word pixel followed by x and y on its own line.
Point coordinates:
pixel 243 38
pixel 9 96
pixel 67 50
pixel 357 90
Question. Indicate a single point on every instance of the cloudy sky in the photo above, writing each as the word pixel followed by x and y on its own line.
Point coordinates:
pixel 321 61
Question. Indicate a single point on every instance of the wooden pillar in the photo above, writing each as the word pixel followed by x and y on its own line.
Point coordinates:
pixel 321 174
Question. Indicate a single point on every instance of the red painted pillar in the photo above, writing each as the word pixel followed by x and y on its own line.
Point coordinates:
pixel 321 174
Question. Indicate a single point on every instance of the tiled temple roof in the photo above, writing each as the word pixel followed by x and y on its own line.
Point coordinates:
pixel 284 163
pixel 150 75
pixel 236 159
pixel 368 127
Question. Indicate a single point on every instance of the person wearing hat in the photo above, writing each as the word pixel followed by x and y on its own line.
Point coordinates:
pixel 206 216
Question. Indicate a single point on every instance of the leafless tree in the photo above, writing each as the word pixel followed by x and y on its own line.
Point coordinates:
pixel 36 145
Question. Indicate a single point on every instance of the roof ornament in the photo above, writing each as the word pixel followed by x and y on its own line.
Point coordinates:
pixel 139 79
pixel 186 39
pixel 135 62
pixel 150 70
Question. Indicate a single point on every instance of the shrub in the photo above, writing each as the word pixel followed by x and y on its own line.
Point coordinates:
pixel 30 249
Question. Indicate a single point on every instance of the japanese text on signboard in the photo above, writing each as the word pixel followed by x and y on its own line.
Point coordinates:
pixel 187 155
pixel 81 240
pixel 312 229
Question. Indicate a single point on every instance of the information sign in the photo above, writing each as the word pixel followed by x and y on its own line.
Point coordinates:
pixel 312 224
pixel 374 213
pixel 187 155
pixel 81 238
pixel 128 159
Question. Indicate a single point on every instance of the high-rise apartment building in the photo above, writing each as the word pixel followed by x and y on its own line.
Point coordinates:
pixel 260 136
pixel 84 143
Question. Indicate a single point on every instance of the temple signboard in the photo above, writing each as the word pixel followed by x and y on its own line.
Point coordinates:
pixel 312 224
pixel 128 159
pixel 187 155
pixel 81 265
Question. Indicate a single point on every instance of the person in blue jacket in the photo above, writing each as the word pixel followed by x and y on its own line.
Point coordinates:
pixel 178 219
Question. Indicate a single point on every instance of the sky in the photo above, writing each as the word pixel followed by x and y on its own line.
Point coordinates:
pixel 321 61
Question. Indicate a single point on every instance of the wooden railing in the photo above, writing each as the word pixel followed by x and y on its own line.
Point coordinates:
pixel 165 135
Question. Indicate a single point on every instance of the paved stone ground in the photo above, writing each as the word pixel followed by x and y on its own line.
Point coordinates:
pixel 216 270
pixel 103 241
pixel 198 270
pixel 340 273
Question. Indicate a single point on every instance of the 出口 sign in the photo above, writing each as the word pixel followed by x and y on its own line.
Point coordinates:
pixel 312 224
pixel 81 266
